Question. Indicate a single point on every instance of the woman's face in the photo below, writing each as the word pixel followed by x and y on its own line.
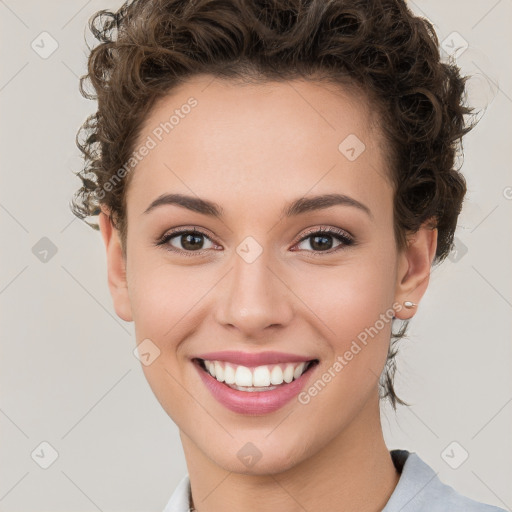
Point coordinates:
pixel 255 280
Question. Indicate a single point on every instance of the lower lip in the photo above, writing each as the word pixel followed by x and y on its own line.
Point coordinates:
pixel 253 402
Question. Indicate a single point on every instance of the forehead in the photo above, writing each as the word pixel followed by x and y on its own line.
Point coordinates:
pixel 223 138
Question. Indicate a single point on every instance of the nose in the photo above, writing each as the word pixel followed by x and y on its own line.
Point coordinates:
pixel 254 299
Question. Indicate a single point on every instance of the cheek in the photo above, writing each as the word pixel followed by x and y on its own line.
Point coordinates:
pixel 355 311
pixel 162 300
pixel 161 295
pixel 354 305
pixel 352 296
pixel 347 298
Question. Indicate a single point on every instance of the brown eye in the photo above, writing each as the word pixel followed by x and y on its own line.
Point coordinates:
pixel 186 241
pixel 321 240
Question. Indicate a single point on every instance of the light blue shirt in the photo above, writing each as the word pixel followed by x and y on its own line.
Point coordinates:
pixel 419 490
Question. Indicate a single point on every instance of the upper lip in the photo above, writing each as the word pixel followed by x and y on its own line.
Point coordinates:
pixel 253 358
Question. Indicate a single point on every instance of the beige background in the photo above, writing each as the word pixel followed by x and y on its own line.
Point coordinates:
pixel 68 374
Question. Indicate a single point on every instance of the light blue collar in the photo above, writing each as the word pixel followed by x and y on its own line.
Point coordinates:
pixel 418 490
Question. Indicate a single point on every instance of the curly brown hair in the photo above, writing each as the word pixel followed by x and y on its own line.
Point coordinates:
pixel 149 47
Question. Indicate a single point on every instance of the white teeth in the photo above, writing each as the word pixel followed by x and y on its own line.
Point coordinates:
pixel 243 376
pixel 276 376
pixel 288 373
pixel 219 372
pixel 229 374
pixel 297 372
pixel 259 377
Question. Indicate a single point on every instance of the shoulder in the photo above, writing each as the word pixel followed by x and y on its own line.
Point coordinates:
pixel 445 498
pixel 420 490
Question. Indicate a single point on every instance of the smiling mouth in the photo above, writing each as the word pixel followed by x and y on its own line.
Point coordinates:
pixel 259 378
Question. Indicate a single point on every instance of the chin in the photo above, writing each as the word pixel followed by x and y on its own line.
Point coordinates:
pixel 269 460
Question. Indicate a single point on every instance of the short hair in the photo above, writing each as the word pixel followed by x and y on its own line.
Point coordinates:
pixel 378 47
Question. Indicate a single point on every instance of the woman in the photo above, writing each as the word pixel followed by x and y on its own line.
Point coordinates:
pixel 274 181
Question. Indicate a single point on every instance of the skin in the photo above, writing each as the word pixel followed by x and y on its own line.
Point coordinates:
pixel 252 149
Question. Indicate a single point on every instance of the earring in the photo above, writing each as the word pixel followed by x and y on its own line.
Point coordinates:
pixel 409 305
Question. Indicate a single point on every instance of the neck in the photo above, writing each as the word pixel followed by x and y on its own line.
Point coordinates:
pixel 352 472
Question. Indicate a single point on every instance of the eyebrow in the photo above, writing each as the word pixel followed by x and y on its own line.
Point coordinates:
pixel 296 207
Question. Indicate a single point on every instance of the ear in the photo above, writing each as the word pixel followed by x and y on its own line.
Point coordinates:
pixel 414 267
pixel 116 267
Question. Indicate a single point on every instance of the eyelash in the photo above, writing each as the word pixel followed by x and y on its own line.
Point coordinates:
pixel 341 235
